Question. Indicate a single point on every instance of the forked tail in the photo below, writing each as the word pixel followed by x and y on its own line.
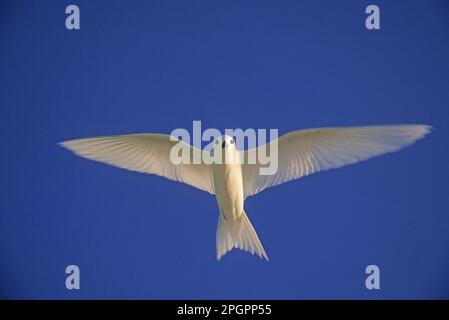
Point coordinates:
pixel 240 234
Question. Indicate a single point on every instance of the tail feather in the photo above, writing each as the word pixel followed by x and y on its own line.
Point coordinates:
pixel 239 234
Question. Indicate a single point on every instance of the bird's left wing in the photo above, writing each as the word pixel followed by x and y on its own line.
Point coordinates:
pixel 147 153
pixel 304 152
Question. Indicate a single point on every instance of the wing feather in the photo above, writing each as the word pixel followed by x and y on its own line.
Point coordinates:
pixel 303 152
pixel 146 153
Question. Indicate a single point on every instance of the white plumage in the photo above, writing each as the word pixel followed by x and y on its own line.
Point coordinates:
pixel 300 153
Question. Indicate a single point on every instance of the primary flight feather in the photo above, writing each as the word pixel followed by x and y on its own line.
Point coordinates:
pixel 300 153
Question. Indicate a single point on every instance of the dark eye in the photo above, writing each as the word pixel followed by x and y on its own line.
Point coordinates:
pixel 232 141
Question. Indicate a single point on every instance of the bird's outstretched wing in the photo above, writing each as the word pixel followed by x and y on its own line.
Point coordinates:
pixel 304 152
pixel 147 153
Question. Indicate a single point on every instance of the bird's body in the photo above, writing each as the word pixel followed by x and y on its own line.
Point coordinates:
pixel 228 183
pixel 234 228
pixel 300 153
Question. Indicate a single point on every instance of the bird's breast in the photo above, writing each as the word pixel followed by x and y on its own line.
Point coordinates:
pixel 228 184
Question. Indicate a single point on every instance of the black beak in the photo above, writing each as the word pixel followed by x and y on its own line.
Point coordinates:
pixel 223 144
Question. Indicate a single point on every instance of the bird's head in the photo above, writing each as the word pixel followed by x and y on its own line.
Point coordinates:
pixel 225 149
pixel 224 142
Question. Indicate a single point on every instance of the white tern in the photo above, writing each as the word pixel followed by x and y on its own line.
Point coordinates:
pixel 300 153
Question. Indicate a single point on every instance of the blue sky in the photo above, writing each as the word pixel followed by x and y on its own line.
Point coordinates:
pixel 153 66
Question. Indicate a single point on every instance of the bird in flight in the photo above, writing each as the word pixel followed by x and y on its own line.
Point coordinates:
pixel 300 153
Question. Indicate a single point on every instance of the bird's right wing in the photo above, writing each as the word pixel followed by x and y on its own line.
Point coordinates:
pixel 304 152
pixel 147 153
